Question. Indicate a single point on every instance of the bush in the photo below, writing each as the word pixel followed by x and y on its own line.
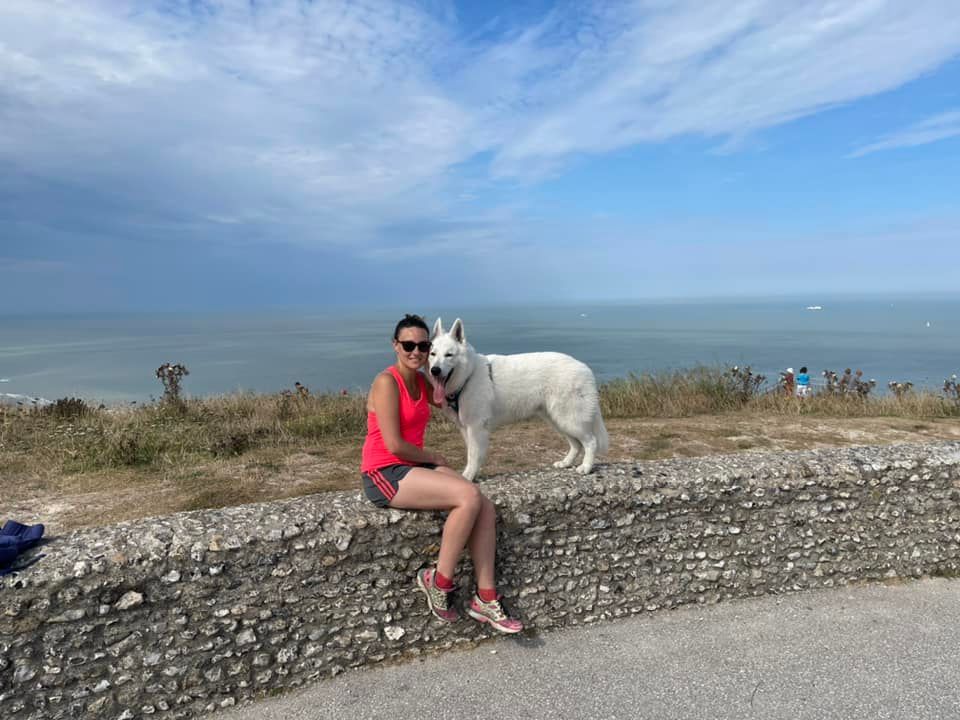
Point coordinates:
pixel 900 389
pixel 231 445
pixel 130 448
pixel 170 376
pixel 66 408
pixel 743 383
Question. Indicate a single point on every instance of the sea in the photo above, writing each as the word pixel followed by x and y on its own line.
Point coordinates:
pixel 112 358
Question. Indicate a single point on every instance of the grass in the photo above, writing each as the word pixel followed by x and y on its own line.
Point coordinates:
pixel 226 450
pixel 158 436
pixel 711 391
pixel 72 438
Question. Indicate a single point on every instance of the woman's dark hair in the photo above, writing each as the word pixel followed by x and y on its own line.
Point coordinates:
pixel 803 369
pixel 410 321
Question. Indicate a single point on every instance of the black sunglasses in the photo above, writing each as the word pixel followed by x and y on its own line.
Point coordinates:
pixel 408 345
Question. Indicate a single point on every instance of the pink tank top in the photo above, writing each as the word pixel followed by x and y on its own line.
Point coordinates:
pixel 414 416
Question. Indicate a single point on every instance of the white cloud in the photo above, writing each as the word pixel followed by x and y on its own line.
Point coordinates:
pixel 939 127
pixel 331 122
pixel 318 115
pixel 717 69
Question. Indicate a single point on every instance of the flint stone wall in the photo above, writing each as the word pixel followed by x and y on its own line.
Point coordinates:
pixel 177 615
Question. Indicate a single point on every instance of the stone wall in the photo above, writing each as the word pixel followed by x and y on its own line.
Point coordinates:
pixel 176 615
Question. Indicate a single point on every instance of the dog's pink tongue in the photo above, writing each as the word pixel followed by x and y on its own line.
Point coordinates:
pixel 439 391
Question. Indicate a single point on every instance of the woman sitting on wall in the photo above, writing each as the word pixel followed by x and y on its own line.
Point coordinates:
pixel 399 473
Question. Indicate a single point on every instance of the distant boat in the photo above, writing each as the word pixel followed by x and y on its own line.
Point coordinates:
pixel 583 314
pixel 814 307
pixel 928 323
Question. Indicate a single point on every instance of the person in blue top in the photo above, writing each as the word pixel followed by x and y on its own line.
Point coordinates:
pixel 803 383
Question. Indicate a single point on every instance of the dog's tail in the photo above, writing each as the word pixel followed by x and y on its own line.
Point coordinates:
pixel 600 432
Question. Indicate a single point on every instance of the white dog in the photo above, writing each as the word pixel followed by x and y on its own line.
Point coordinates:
pixel 483 392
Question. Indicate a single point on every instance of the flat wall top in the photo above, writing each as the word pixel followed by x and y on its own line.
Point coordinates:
pixel 332 518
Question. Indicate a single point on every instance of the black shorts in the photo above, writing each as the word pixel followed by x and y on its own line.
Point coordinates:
pixel 381 485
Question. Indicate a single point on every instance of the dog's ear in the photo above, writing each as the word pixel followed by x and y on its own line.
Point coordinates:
pixel 437 329
pixel 457 331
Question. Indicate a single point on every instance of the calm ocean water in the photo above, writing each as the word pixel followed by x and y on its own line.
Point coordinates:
pixel 112 358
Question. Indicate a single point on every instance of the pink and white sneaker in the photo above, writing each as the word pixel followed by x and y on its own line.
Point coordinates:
pixel 439 601
pixel 494 613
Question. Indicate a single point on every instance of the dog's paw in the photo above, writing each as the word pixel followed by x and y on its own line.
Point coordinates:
pixel 584 469
pixel 560 464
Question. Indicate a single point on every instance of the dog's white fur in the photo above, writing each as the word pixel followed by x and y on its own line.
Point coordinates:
pixel 499 389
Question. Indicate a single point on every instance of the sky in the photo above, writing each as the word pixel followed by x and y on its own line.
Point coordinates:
pixel 241 154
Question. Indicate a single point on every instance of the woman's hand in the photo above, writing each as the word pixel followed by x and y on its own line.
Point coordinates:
pixel 439 460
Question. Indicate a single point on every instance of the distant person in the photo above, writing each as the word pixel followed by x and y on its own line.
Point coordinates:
pixel 803 383
pixel 856 381
pixel 846 382
pixel 860 386
pixel 789 382
pixel 398 472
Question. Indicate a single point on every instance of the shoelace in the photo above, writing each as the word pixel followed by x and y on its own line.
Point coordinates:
pixel 500 610
pixel 449 597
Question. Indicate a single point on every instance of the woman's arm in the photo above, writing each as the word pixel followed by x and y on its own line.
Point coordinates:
pixel 386 405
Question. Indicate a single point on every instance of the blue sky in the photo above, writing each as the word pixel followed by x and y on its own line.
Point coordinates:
pixel 218 155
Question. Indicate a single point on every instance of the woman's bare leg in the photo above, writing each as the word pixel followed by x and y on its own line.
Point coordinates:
pixel 424 489
pixel 482 542
pixel 483 545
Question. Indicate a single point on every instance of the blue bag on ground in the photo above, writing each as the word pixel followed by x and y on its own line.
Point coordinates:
pixel 17 538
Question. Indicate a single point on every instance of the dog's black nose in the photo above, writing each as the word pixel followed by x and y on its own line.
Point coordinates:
pixel 435 371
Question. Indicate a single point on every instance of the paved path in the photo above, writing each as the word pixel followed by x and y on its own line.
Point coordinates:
pixel 880 651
